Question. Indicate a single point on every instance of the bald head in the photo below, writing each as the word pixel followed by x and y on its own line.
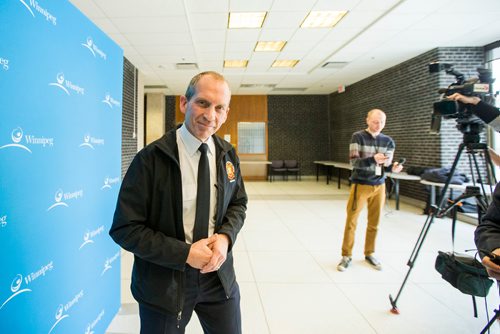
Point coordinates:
pixel 375 119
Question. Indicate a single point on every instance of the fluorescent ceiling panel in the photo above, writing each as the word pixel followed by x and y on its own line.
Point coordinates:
pixel 285 63
pixel 275 46
pixel 246 20
pixel 235 63
pixel 323 19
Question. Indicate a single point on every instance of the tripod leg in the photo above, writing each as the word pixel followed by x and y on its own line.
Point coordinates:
pixel 413 257
pixel 491 322
pixel 425 229
pixel 442 197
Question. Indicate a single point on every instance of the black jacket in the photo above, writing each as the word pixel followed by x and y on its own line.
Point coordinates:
pixel 487 235
pixel 148 220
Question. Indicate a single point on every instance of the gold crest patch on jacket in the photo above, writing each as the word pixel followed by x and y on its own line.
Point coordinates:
pixel 230 171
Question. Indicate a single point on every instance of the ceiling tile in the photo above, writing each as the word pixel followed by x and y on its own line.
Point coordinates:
pixel 293 5
pixel 243 35
pixel 243 47
pixel 133 8
pixel 284 20
pixel 208 21
pixel 140 39
pixel 358 19
pixel 249 6
pixel 207 6
pixel 335 4
pixel 89 8
pixel 203 36
pixel 376 5
pixel 167 24
pixel 106 25
pixel 276 34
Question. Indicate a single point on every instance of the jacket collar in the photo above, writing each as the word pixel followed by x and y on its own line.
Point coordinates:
pixel 168 145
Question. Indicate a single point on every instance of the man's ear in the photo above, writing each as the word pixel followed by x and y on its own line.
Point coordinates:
pixel 225 116
pixel 183 104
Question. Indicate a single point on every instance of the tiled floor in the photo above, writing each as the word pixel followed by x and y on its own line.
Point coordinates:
pixel 286 258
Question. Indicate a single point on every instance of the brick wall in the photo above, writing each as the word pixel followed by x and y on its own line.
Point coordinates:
pixel 169 113
pixel 298 129
pixel 406 92
pixel 129 143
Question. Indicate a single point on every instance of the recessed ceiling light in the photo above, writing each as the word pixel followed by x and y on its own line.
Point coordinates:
pixel 322 19
pixel 186 66
pixel 246 20
pixel 270 46
pixel 334 64
pixel 235 63
pixel 285 63
pixel 257 85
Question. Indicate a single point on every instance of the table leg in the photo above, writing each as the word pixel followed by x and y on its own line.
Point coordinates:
pixel 432 197
pixel 338 185
pixel 396 191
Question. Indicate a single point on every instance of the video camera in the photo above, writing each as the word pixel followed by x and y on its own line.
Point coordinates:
pixel 467 123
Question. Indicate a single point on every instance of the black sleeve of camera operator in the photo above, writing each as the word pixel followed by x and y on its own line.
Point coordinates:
pixel 488 113
pixel 487 234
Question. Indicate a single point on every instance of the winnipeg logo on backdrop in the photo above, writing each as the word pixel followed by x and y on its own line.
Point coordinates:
pixel 34 5
pixel 93 48
pixel 62 310
pixel 91 142
pixel 109 261
pixel 89 236
pixel 16 287
pixel 110 101
pixel 17 135
pixel 60 198
pixel 3 221
pixel 4 63
pixel 108 182
pixel 91 326
pixel 64 84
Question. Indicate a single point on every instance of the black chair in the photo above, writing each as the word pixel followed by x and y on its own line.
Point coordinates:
pixel 292 167
pixel 277 167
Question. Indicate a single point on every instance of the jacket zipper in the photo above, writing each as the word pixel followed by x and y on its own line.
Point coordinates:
pixel 179 317
pixel 179 298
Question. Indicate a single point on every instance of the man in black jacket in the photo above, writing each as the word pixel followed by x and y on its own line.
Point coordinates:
pixel 156 219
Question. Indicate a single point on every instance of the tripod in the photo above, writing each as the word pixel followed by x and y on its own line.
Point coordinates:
pixel 473 147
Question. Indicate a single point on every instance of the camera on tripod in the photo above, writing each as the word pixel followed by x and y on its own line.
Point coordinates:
pixel 467 123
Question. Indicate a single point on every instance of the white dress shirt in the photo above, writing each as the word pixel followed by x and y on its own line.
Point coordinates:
pixel 189 157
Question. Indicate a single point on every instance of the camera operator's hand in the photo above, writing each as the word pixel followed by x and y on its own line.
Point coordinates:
pixel 464 99
pixel 492 268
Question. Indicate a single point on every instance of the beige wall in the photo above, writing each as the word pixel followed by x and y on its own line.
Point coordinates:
pixel 155 116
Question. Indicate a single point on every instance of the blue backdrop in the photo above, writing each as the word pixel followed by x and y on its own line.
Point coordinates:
pixel 60 155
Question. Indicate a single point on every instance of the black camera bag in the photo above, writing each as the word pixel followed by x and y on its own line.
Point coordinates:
pixel 463 272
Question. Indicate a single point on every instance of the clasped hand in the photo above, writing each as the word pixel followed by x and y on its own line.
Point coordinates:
pixel 208 254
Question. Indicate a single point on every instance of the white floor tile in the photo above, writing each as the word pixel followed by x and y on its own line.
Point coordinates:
pixel 286 257
pixel 310 308
pixel 287 267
